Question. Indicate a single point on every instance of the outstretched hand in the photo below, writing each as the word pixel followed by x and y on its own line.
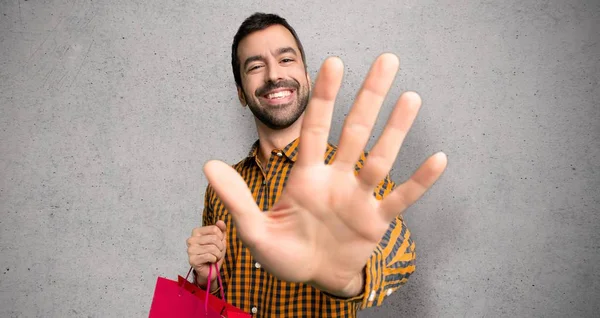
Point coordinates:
pixel 327 221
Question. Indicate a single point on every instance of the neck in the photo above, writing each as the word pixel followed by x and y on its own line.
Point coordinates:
pixel 275 139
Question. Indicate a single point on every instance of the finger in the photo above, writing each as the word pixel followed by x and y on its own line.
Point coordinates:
pixel 317 119
pixel 196 250
pixel 206 240
pixel 208 230
pixel 409 192
pixel 198 260
pixel 237 198
pixel 359 123
pixel 384 153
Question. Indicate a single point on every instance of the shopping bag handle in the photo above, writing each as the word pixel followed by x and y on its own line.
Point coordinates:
pixel 218 279
pixel 208 285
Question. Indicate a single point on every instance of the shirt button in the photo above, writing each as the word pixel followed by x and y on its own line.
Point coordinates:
pixel 254 310
pixel 257 265
pixel 389 292
pixel 264 182
pixel 372 296
pixel 279 154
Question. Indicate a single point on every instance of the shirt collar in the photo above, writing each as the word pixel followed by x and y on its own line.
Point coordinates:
pixel 290 150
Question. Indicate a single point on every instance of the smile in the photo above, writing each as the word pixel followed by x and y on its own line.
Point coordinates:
pixel 279 96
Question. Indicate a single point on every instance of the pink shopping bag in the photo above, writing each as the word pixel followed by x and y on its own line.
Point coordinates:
pixel 183 299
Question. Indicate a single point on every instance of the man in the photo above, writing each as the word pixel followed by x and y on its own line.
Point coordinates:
pixel 302 228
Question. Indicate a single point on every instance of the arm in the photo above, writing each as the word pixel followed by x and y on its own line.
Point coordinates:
pixel 391 263
pixel 388 268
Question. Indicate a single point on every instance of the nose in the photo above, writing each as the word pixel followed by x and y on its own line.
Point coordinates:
pixel 274 73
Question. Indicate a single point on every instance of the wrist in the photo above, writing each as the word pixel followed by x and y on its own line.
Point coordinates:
pixel 355 287
pixel 214 286
pixel 204 284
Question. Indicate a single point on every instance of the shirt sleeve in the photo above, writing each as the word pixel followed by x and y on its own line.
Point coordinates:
pixel 207 212
pixel 393 259
pixel 390 266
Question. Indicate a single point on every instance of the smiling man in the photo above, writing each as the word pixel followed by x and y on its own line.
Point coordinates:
pixel 301 227
pixel 279 102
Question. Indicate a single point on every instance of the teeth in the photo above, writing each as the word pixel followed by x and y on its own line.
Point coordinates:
pixel 281 94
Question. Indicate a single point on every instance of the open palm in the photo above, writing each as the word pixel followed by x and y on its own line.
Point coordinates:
pixel 327 221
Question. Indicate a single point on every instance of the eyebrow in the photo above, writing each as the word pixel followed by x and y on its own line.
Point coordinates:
pixel 284 50
pixel 280 51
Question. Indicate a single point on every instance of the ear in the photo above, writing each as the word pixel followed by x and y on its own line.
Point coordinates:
pixel 241 97
pixel 309 82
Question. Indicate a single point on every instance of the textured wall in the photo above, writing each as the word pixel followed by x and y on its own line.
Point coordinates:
pixel 110 108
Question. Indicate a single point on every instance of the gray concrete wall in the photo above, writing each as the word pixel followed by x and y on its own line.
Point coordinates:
pixel 110 108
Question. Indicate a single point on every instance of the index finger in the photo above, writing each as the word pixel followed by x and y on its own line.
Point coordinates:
pixel 208 230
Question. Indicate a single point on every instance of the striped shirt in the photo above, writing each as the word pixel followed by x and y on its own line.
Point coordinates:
pixel 252 289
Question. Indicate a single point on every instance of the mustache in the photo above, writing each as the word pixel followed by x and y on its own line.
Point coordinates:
pixel 263 90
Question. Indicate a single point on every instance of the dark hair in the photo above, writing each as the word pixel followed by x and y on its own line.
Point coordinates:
pixel 257 22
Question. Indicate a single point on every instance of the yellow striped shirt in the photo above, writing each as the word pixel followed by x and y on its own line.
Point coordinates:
pixel 249 287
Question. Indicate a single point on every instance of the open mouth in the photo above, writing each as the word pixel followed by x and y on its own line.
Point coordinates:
pixel 279 96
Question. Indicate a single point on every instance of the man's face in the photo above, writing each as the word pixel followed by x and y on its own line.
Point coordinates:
pixel 274 82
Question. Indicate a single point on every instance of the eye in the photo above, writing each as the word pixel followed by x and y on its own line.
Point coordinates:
pixel 254 67
pixel 287 60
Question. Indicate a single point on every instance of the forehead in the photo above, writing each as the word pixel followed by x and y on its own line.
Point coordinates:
pixel 268 40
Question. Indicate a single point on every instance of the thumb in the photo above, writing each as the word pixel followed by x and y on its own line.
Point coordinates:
pixel 237 198
pixel 221 225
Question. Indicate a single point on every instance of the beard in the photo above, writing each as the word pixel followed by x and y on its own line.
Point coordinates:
pixel 280 116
